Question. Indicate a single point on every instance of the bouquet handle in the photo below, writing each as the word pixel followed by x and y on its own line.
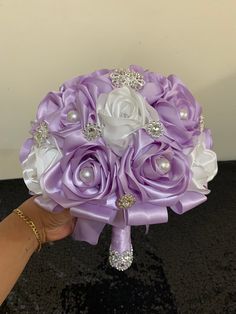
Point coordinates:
pixel 121 250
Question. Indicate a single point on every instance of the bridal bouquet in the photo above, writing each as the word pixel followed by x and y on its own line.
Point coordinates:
pixel 118 147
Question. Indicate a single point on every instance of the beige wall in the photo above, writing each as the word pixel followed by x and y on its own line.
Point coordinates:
pixel 44 42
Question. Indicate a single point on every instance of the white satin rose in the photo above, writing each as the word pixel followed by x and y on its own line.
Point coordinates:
pixel 39 160
pixel 121 113
pixel 203 166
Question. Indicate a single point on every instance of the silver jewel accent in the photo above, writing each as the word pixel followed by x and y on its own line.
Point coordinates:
pixel 126 77
pixel 201 123
pixel 121 261
pixel 154 129
pixel 92 131
pixel 41 133
pixel 125 201
pixel 73 116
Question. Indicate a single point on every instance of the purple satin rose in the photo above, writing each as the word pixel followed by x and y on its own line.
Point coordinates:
pixel 85 173
pixel 100 77
pixel 180 113
pixel 70 109
pixel 156 85
pixel 60 112
pixel 153 171
pixel 55 109
pixel 88 88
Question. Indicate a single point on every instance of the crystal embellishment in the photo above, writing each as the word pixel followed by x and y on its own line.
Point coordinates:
pixel 121 261
pixel 123 77
pixel 154 129
pixel 92 131
pixel 41 133
pixel 125 201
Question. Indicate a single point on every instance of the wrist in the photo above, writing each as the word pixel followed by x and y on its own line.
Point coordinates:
pixel 34 216
pixel 34 213
pixel 28 221
pixel 23 233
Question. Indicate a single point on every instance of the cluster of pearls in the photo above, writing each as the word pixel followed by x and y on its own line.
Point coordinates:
pixel 73 116
pixel 121 261
pixel 92 131
pixel 154 129
pixel 41 134
pixel 163 164
pixel 125 201
pixel 123 77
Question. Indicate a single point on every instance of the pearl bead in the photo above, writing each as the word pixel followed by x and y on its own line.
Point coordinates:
pixel 163 164
pixel 183 114
pixel 72 116
pixel 86 174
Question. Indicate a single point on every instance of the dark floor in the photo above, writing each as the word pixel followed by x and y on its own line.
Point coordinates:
pixel 185 266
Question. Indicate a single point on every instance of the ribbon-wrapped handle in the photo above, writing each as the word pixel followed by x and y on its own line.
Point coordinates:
pixel 121 250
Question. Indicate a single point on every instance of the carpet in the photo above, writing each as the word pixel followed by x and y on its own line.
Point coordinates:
pixel 187 265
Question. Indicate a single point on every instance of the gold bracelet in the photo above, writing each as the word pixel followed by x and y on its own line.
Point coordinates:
pixel 31 224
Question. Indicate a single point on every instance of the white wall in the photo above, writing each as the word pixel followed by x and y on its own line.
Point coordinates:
pixel 43 43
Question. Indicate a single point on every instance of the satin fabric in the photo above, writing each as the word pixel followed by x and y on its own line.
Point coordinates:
pixel 121 113
pixel 133 168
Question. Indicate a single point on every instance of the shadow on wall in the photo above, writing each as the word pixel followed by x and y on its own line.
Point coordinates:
pixel 219 109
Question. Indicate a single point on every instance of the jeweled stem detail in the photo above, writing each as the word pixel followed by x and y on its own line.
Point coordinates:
pixel 121 250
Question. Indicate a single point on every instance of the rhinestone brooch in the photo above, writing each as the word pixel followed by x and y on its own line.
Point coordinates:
pixel 92 131
pixel 122 77
pixel 41 133
pixel 154 129
pixel 125 201
pixel 121 261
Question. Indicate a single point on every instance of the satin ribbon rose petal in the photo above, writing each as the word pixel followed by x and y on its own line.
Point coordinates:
pixel 153 171
pixel 203 167
pixel 85 172
pixel 37 163
pixel 155 87
pixel 203 164
pixel 120 113
pixel 180 114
